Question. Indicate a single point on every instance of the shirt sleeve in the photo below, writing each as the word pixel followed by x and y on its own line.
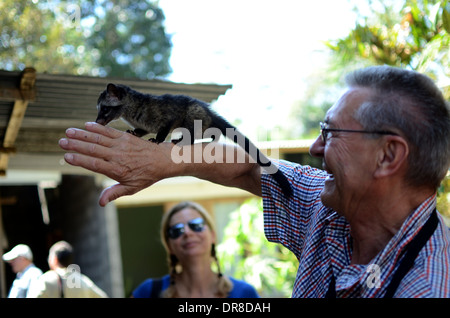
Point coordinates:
pixel 33 275
pixel 94 290
pixel 242 289
pixel 288 220
pixel 36 289
pixel 43 287
pixel 144 289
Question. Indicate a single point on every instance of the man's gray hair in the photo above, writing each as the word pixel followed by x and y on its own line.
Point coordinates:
pixel 410 104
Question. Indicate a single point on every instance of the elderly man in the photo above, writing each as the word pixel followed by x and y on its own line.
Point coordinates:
pixel 21 260
pixel 364 226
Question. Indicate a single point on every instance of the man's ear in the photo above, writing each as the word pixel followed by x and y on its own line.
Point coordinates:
pixel 392 156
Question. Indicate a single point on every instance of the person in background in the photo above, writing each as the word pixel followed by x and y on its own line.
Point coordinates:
pixel 64 279
pixel 188 235
pixel 21 260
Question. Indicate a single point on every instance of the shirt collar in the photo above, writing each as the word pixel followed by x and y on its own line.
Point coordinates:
pixel 410 227
pixel 340 247
pixel 20 274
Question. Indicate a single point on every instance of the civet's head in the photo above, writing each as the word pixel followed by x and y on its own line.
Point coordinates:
pixel 110 103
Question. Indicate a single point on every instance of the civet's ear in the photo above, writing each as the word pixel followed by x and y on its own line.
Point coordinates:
pixel 115 91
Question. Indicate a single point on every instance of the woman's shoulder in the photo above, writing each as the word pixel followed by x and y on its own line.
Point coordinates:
pixel 144 290
pixel 242 289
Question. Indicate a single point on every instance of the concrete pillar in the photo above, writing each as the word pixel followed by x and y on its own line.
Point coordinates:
pixel 92 231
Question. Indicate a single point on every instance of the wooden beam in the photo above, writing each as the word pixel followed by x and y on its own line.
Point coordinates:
pixel 27 82
pixel 4 159
pixel 3 245
pixel 10 94
pixel 15 121
pixel 27 93
pixel 8 200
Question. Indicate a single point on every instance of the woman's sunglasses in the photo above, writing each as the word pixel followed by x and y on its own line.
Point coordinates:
pixel 175 231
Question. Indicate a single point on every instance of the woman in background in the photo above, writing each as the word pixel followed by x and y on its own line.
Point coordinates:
pixel 189 237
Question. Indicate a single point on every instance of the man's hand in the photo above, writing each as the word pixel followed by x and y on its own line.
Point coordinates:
pixel 137 163
pixel 118 155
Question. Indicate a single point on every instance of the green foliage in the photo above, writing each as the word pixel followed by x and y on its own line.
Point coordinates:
pixel 415 37
pixel 443 198
pixel 246 254
pixel 388 37
pixel 132 32
pixel 411 33
pixel 99 37
pixel 31 36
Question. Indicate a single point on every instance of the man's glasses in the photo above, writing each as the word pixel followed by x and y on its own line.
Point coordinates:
pixel 196 225
pixel 325 131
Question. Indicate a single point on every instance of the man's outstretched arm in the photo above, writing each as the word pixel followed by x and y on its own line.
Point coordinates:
pixel 137 163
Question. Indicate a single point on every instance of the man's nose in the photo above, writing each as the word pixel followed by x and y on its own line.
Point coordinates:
pixel 317 148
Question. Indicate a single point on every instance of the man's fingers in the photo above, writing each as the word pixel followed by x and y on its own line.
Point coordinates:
pixel 86 136
pixel 115 154
pixel 95 133
pixel 90 163
pixel 86 148
pixel 103 130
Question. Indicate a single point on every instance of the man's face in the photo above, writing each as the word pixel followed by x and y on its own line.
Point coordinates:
pixel 348 157
pixel 18 264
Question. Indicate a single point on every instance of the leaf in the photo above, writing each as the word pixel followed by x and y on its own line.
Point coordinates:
pixel 434 13
pixel 446 17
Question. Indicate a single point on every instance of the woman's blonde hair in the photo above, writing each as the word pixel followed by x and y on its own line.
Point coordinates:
pixel 225 285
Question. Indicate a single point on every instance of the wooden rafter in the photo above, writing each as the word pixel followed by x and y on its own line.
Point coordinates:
pixel 23 95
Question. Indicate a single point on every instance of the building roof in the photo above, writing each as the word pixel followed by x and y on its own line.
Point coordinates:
pixel 37 108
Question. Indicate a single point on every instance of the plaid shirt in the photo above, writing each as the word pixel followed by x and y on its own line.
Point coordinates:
pixel 321 240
